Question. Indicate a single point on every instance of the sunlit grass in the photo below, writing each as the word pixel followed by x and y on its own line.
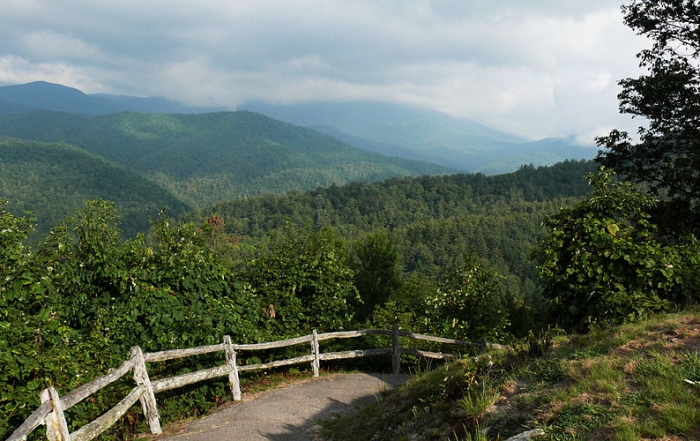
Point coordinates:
pixel 625 383
pixel 476 403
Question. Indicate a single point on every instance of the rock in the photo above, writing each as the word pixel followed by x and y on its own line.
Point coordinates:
pixel 525 436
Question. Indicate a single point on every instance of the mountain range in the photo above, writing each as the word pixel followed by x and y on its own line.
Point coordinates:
pixel 41 95
pixel 388 129
pixel 397 130
pixel 61 142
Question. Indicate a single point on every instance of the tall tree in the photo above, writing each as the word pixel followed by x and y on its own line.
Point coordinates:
pixel 377 268
pixel 666 154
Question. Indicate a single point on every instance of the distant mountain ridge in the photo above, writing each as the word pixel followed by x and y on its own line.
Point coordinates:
pixel 208 158
pixel 384 128
pixel 393 129
pixel 42 95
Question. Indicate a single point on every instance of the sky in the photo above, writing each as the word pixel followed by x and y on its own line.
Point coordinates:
pixel 535 68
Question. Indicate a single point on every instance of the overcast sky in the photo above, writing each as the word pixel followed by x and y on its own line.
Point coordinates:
pixel 536 68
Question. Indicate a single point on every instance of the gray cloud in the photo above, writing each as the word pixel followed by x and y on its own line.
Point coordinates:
pixel 537 68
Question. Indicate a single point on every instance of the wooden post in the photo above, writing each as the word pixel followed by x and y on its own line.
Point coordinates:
pixel 148 399
pixel 396 358
pixel 56 426
pixel 315 351
pixel 233 380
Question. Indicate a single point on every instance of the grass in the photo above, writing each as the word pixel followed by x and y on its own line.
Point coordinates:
pixel 623 383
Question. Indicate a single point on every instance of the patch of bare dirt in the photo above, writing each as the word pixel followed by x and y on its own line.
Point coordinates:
pixel 681 336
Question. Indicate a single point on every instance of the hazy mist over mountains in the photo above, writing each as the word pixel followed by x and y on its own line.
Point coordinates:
pixel 395 130
pixel 387 129
pixel 41 95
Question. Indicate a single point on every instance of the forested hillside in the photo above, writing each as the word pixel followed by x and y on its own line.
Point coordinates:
pixel 208 158
pixel 432 222
pixel 399 202
pixel 517 259
pixel 52 181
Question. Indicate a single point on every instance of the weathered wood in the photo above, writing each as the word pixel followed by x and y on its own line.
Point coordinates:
pixel 164 384
pixel 233 380
pixel 273 344
pixel 273 364
pixel 173 354
pixel 94 428
pixel 77 395
pixel 355 353
pixel 148 398
pixel 315 350
pixel 429 354
pixel 36 419
pixel 56 426
pixel 437 339
pixel 351 334
pixel 396 358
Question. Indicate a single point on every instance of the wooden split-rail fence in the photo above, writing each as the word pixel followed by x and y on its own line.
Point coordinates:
pixel 51 410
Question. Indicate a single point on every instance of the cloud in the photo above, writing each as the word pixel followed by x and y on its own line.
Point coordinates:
pixel 535 67
pixel 18 70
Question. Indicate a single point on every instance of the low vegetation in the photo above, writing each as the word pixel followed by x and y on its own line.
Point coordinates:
pixel 629 382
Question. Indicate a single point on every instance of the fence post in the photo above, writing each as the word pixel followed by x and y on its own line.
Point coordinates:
pixel 396 358
pixel 148 398
pixel 56 426
pixel 233 380
pixel 315 351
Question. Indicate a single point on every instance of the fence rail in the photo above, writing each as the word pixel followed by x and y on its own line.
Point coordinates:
pixel 51 410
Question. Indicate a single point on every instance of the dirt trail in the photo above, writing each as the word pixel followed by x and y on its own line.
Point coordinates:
pixel 289 412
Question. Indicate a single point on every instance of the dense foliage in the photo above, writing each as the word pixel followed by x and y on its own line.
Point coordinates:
pixel 666 154
pixel 423 225
pixel 72 308
pixel 602 263
pixel 446 255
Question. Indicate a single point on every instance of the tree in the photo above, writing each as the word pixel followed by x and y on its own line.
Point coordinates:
pixel 470 303
pixel 82 253
pixel 601 262
pixel 306 278
pixel 666 155
pixel 377 268
pixel 25 322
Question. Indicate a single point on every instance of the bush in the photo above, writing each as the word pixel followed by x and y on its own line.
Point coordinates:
pixel 602 263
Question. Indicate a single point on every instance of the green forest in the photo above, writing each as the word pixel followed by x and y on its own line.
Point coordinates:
pixel 49 181
pixel 51 162
pixel 330 259
pixel 453 256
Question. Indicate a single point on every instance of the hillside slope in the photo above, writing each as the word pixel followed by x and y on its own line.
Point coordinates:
pixel 424 134
pixel 399 202
pixel 208 158
pixel 431 221
pixel 54 180
pixel 632 382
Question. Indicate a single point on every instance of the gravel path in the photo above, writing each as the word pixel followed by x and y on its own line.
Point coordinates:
pixel 289 412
